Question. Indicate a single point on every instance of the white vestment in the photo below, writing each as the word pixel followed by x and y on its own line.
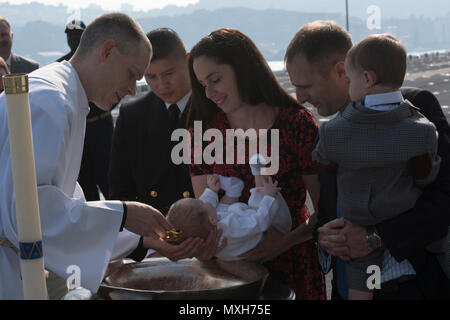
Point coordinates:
pixel 243 224
pixel 74 232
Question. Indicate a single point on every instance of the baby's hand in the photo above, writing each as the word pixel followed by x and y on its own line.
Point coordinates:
pixel 213 183
pixel 270 188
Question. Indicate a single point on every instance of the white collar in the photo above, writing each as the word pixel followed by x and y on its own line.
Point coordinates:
pixel 384 101
pixel 65 77
pixel 180 103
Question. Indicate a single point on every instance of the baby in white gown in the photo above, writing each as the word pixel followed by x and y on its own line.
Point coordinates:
pixel 242 224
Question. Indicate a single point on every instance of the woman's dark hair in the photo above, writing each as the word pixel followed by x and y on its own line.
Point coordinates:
pixel 255 80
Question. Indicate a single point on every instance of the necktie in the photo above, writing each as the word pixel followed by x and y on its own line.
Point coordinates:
pixel 173 113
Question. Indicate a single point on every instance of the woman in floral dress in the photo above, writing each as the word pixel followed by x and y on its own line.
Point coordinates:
pixel 233 88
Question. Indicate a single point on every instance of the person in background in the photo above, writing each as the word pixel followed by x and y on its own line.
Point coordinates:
pixel 74 30
pixel 16 63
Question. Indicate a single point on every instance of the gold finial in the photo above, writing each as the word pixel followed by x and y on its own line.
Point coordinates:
pixel 15 83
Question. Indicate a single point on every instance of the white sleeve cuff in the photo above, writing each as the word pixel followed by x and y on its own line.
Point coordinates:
pixel 210 196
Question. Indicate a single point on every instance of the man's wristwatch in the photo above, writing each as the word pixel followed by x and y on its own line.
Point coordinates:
pixel 373 239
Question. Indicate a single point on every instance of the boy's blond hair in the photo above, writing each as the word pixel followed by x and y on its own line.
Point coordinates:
pixel 382 54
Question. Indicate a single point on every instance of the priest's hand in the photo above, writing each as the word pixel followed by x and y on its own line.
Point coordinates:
pixel 174 252
pixel 145 220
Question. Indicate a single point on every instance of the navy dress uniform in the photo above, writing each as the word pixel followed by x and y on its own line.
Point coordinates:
pixel 141 168
pixel 96 151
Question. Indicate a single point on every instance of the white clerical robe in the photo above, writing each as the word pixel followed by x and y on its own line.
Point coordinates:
pixel 74 232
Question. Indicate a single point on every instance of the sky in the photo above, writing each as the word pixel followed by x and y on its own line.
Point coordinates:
pixel 110 4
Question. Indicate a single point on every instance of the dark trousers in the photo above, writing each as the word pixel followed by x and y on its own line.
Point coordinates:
pixel 95 162
pixel 404 288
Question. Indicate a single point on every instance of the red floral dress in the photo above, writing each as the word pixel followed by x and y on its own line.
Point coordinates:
pixel 298 267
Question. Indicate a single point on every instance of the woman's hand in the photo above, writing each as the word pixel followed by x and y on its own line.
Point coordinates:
pixel 211 246
pixel 272 245
pixel 275 243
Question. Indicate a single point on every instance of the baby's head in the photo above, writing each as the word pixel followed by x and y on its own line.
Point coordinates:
pixel 190 218
pixel 377 64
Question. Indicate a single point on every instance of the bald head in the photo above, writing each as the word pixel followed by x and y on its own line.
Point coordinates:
pixel 126 33
pixel 113 54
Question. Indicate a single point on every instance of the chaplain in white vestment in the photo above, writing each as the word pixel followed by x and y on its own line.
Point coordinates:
pixel 114 52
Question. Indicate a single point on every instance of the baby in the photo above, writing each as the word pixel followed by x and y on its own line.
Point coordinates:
pixel 242 224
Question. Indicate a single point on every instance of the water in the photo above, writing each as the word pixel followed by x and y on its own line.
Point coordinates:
pixel 421 53
pixel 276 65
